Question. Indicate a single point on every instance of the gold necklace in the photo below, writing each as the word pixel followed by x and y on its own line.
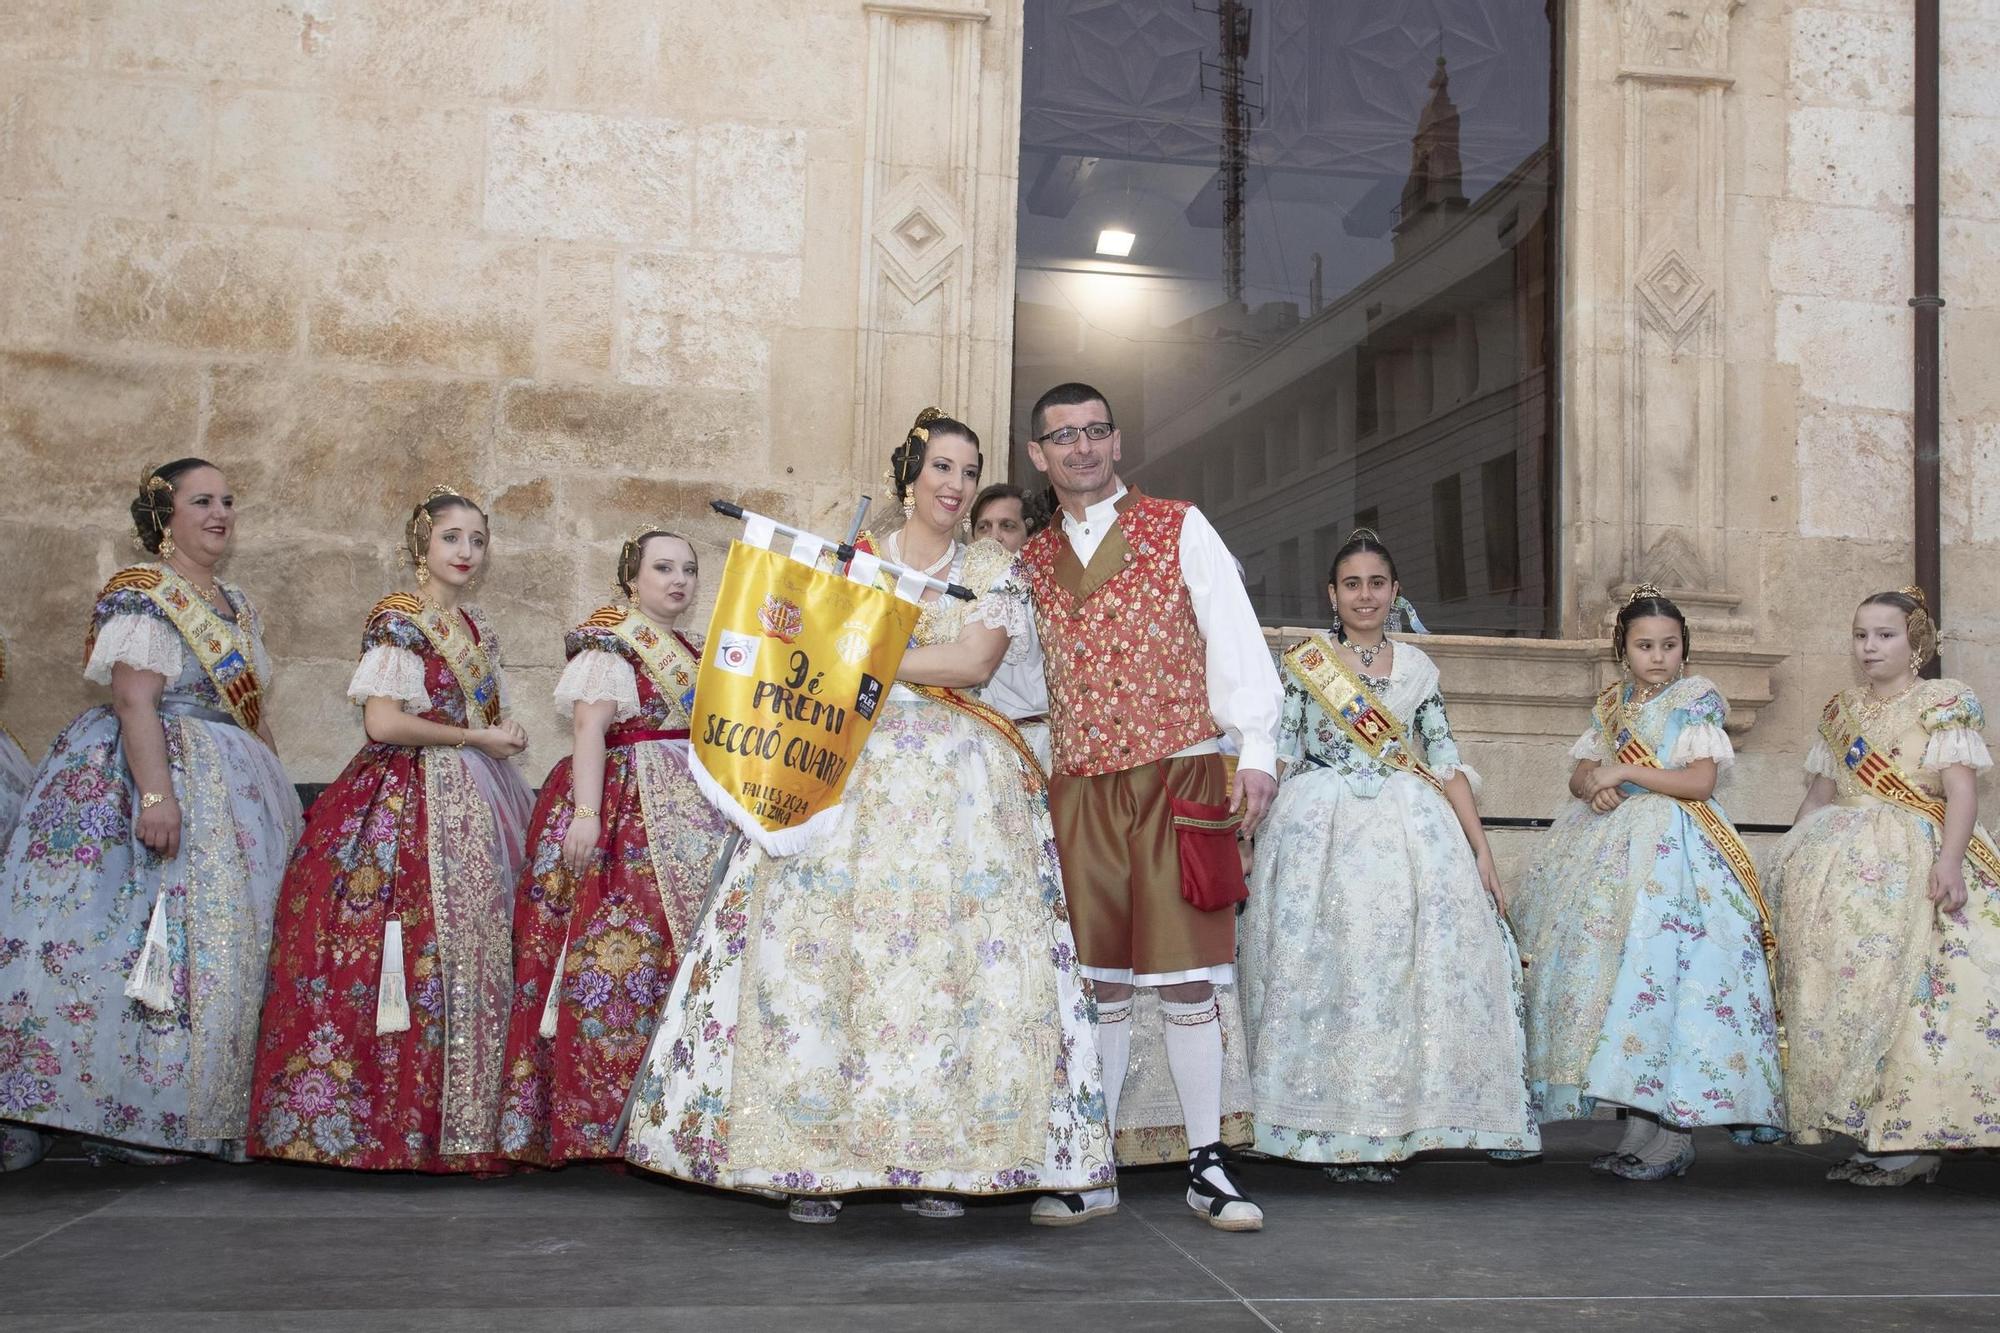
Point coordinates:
pixel 213 593
pixel 1872 705
pixel 1645 694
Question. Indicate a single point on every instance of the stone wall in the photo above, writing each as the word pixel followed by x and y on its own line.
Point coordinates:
pixel 599 260
pixel 595 261
pixel 1738 355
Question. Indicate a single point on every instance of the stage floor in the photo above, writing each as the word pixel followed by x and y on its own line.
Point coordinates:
pixel 1750 1239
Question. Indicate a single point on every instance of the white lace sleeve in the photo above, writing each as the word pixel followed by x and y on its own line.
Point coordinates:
pixel 1957 745
pixel 1591 746
pixel 1472 778
pixel 1005 610
pixel 389 672
pixel 146 643
pixel 1819 760
pixel 1702 740
pixel 594 676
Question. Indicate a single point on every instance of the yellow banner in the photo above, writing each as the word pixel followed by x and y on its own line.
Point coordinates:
pixel 797 667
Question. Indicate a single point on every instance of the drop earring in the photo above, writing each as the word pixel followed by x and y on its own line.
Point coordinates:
pixel 166 546
pixel 423 574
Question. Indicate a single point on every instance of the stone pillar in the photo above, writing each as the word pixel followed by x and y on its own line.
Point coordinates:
pixel 1646 457
pixel 940 165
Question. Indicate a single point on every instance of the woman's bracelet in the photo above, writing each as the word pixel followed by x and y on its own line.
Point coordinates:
pixel 586 812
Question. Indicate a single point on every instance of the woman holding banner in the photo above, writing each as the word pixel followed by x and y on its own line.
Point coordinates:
pixel 619 857
pixel 897 1006
pixel 386 1015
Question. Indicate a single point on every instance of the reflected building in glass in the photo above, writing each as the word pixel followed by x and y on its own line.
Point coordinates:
pixel 1384 357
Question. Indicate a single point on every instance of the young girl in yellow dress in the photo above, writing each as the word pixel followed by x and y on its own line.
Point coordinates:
pixel 1888 913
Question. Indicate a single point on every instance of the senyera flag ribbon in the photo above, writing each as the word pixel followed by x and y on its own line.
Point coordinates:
pixel 798 665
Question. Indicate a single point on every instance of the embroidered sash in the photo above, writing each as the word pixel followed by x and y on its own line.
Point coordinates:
pixel 213 640
pixel 1880 775
pixel 1350 703
pixel 470 664
pixel 670 659
pixel 1628 747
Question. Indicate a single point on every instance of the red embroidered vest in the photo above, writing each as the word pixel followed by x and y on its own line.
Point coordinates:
pixel 1127 665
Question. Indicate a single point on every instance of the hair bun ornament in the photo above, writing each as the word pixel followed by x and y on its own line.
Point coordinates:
pixel 908 456
pixel 1363 534
pixel 417 532
pixel 1644 591
pixel 153 508
pixel 1923 631
pixel 628 555
pixel 441 490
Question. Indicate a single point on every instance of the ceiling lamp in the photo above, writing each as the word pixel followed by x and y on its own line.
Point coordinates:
pixel 1117 244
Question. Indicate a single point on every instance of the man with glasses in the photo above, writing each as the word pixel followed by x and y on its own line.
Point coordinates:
pixel 1153 653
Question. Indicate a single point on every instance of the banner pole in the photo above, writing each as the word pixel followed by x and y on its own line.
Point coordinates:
pixel 845 553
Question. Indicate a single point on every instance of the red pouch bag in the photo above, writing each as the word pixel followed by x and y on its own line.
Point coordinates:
pixel 1211 869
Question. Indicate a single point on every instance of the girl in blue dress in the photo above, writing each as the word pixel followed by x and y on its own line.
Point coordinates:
pixel 1650 988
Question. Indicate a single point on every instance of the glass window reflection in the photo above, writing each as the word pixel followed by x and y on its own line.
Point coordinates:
pixel 1335 305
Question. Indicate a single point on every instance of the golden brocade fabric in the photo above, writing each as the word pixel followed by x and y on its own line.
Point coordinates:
pixel 472 896
pixel 900 1007
pixel 1890 1006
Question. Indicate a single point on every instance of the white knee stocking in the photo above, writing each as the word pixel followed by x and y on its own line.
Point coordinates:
pixel 1114 1048
pixel 1194 1057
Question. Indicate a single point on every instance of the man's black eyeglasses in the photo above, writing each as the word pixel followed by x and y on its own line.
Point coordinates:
pixel 1066 435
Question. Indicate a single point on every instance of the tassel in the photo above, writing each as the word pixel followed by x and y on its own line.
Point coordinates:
pixel 392 1001
pixel 152 979
pixel 552 1005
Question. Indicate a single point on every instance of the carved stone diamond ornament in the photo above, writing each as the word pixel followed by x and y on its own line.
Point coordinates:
pixel 1674 296
pixel 918 233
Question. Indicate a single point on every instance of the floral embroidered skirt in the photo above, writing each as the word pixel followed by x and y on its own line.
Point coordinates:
pixel 899 1007
pixel 77 894
pixel 1380 986
pixel 1649 986
pixel 612 936
pixel 431 840
pixel 1891 1010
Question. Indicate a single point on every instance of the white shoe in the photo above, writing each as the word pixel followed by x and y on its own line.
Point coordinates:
pixel 1214 1194
pixel 1068 1210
